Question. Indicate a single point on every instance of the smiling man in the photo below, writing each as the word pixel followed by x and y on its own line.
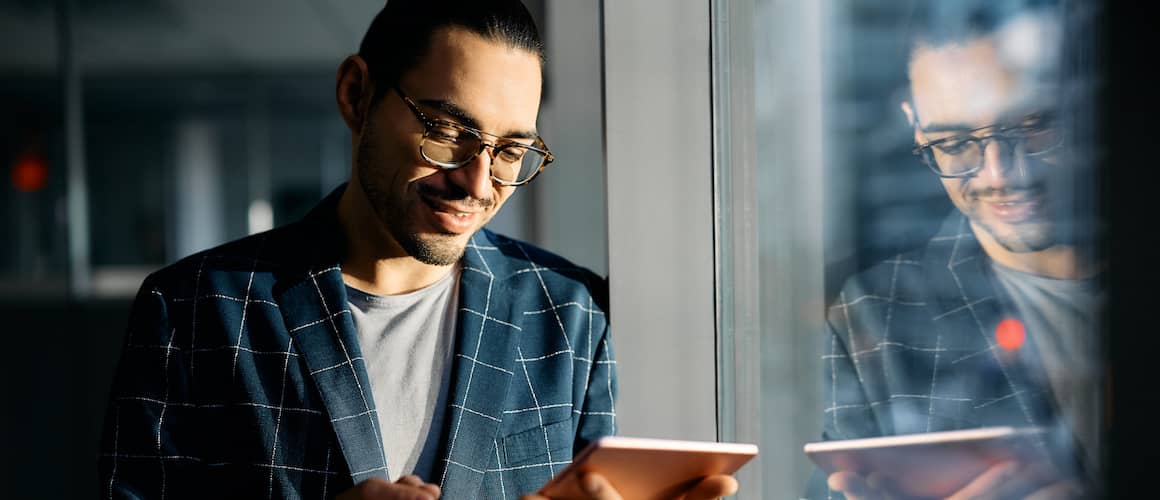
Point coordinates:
pixel 387 345
pixel 994 321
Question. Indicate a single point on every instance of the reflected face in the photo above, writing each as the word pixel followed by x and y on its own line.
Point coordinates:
pixel 970 90
pixel 430 212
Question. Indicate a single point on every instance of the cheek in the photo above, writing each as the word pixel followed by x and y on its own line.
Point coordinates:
pixel 956 190
pixel 393 153
pixel 501 196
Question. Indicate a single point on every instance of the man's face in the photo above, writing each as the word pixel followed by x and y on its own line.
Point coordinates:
pixel 465 78
pixel 957 88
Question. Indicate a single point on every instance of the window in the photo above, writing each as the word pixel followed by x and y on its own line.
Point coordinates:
pixel 907 229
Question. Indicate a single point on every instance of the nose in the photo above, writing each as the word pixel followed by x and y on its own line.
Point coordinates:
pixel 1001 165
pixel 474 177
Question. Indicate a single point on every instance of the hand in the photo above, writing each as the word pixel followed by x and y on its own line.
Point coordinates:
pixel 855 487
pixel 406 488
pixel 1015 480
pixel 1003 480
pixel 598 488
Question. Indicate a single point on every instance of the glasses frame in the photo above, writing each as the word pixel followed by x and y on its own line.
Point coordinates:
pixel 429 123
pixel 925 150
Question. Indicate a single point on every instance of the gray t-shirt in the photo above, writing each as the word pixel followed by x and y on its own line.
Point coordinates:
pixel 406 342
pixel 1062 318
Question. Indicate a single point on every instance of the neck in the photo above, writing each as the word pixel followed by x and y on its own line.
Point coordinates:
pixel 1057 262
pixel 374 262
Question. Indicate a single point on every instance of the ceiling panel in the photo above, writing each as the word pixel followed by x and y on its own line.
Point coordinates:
pixel 185 35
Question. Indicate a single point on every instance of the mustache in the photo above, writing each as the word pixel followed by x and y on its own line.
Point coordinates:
pixel 456 194
pixel 1005 192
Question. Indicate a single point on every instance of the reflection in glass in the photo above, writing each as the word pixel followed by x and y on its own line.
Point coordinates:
pixel 992 319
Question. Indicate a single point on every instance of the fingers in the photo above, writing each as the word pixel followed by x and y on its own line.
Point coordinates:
pixel 1005 480
pixel 1059 490
pixel 411 480
pixel 852 485
pixel 416 482
pixel 406 488
pixel 597 487
pixel 715 486
pixel 987 483
pixel 881 486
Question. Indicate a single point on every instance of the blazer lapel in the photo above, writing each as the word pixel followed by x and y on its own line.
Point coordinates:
pixel 485 357
pixel 967 308
pixel 319 321
pixel 313 301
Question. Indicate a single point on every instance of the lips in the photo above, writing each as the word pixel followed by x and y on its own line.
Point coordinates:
pixel 1015 209
pixel 451 217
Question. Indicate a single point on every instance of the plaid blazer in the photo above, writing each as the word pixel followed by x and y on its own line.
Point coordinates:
pixel 912 349
pixel 241 374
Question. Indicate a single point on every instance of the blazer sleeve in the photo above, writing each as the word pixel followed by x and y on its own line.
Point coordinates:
pixel 848 413
pixel 598 412
pixel 146 448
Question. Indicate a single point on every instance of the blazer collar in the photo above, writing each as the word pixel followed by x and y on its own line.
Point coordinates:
pixel 486 347
pixel 313 302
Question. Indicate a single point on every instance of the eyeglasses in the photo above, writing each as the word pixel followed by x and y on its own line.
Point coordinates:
pixel 961 155
pixel 449 145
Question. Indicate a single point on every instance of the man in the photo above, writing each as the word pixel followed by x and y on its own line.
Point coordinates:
pixel 993 321
pixel 386 346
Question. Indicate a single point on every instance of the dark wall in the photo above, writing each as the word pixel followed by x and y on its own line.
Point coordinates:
pixel 58 362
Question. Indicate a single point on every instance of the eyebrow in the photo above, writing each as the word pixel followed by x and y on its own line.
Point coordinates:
pixel 935 128
pixel 1008 117
pixel 463 117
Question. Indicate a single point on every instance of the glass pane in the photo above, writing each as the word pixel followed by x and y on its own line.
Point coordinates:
pixel 34 259
pixel 922 197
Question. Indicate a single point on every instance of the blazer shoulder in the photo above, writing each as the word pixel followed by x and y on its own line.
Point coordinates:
pixel 523 258
pixel 907 266
pixel 264 253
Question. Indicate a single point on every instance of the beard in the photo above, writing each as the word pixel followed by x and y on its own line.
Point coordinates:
pixel 397 216
pixel 1020 238
pixel 1037 234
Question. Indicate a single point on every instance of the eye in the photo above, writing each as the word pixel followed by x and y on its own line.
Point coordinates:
pixel 1038 121
pixel 511 154
pixel 445 133
pixel 953 146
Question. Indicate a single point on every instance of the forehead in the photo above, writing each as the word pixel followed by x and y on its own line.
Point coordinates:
pixel 497 84
pixel 974 83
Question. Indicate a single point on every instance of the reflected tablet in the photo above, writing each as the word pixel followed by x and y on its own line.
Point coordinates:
pixel 933 464
pixel 647 469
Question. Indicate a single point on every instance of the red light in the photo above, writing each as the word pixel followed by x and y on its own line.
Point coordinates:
pixel 1010 334
pixel 30 173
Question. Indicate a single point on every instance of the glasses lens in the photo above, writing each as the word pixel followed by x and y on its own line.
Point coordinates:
pixel 516 163
pixel 449 146
pixel 956 157
pixel 1041 141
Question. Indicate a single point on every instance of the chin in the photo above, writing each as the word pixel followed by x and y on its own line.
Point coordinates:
pixel 436 250
pixel 1025 238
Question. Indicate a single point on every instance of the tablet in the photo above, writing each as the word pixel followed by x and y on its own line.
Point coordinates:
pixel 933 464
pixel 647 469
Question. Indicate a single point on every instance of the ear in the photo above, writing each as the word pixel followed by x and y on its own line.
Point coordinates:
pixel 353 92
pixel 909 112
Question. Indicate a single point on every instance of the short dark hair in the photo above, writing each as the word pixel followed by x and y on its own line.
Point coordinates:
pixel 935 24
pixel 400 35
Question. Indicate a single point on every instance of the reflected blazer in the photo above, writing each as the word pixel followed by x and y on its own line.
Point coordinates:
pixel 241 374
pixel 911 348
